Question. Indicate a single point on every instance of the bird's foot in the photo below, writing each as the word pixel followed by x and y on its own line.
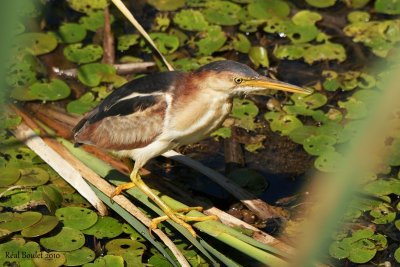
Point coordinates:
pixel 181 219
pixel 121 188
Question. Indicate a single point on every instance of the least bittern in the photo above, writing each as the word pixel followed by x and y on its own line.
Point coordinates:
pixel 151 115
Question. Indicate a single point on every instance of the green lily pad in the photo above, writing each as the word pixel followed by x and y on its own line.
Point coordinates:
pixel 259 56
pixel 36 43
pixel 67 239
pixel 265 9
pixel 244 111
pixel 186 64
pixel 45 225
pixel 94 20
pixel 222 13
pixel 241 43
pixel 83 104
pixel 391 7
pixel 130 250
pixel 107 260
pixel 21 73
pixel 249 179
pixel 86 54
pixel 283 123
pixel 319 145
pixel 51 196
pixel 300 134
pixel 312 101
pixel 167 5
pixel 126 41
pixel 321 4
pixel 87 6
pixel 212 40
pixel 358 16
pixel 4 233
pixel 71 32
pixel 356 3
pixel 224 132
pixel 15 222
pixel 33 177
pixel 337 251
pixel 76 217
pixel 17 248
pixel 159 260
pixel 306 17
pixel 93 73
pixel 328 161
pixel 105 227
pixel 191 20
pixel 8 176
pixel 362 251
pixel 383 214
pixel 15 198
pixel 166 43
pixel 397 255
pixel 49 259
pixel 52 91
pixel 79 257
pixel 331 82
pixel 355 109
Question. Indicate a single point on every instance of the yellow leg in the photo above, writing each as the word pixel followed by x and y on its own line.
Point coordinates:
pixel 170 213
pixel 121 188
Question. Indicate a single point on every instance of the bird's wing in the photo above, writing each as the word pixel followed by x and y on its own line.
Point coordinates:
pixel 130 117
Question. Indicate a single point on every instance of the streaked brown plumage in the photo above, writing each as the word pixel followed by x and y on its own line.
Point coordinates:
pixel 151 115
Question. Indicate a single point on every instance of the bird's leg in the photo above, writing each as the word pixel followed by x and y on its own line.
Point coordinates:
pixel 170 213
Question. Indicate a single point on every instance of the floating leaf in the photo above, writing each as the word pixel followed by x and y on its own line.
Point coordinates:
pixel 36 43
pixel 191 20
pixel 55 90
pixel 383 214
pixel 17 248
pixel 107 260
pixel 337 251
pixel 391 7
pixel 105 227
pixel 222 13
pixel 21 73
pixel 71 32
pixel 49 259
pixel 355 109
pixel 319 145
pixel 130 250
pixel 87 6
pixel 166 43
pixel 259 56
pixel 265 9
pixel 356 3
pixel 44 226
pixel 321 4
pixel 211 41
pixel 78 54
pixel 159 260
pixel 33 177
pixel 126 41
pixel 362 251
pixel 94 20
pixel 397 255
pixel 282 123
pixel 92 74
pixel 358 16
pixel 312 101
pixel 79 257
pixel 83 104
pixel 241 43
pixel 76 217
pixel 244 111
pixel 8 176
pixel 306 17
pixel 15 222
pixel 67 239
pixel 167 5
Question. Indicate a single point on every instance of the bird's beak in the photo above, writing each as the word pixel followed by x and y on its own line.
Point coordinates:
pixel 264 84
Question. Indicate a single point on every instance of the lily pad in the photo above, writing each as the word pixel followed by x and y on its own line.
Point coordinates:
pixel 283 123
pixel 79 257
pixel 391 7
pixel 76 217
pixel 93 73
pixel 105 227
pixel 244 111
pixel 266 9
pixel 259 56
pixel 358 16
pixel 306 17
pixel 159 260
pixel 17 248
pixel 321 4
pixel 319 145
pixel 94 20
pixel 397 255
pixel 130 250
pixel 241 43
pixel 355 109
pixel 15 222
pixel 362 251
pixel 87 6
pixel 191 20
pixel 83 104
pixel 67 239
pixel 33 177
pixel 222 13
pixel 49 259
pixel 36 43
pixel 166 43
pixel 8 176
pixel 126 41
pixel 383 214
pixel 42 227
pixel 312 101
pixel 86 54
pixel 107 260
pixel 211 40
pixel 167 5
pixel 52 91
pixel 71 32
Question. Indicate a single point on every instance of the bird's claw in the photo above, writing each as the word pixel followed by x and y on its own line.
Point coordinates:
pixel 118 190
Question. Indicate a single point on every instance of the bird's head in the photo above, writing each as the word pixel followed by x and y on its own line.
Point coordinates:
pixel 235 78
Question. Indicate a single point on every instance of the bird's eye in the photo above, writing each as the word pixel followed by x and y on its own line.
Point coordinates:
pixel 238 80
